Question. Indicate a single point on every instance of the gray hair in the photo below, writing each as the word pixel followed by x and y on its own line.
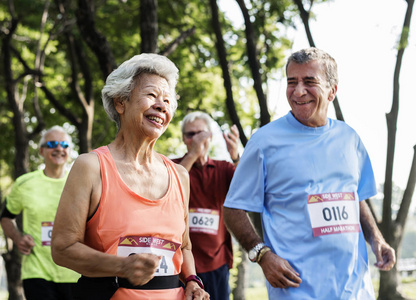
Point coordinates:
pixel 121 81
pixel 58 129
pixel 306 55
pixel 197 115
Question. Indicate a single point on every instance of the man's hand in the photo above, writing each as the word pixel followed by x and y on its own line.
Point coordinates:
pixel 193 291
pixel 200 144
pixel 279 272
pixel 385 255
pixel 25 244
pixel 231 139
pixel 140 268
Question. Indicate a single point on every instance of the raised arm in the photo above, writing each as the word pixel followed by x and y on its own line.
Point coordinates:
pixel 232 139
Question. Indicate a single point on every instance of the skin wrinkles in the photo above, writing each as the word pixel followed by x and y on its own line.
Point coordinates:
pixel 308 93
pixel 144 116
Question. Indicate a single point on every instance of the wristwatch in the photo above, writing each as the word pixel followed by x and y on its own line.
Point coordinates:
pixel 195 278
pixel 254 252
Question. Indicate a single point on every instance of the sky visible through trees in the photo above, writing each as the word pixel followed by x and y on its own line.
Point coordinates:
pixel 362 36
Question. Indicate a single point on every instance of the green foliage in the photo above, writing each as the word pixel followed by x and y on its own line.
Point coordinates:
pixel 200 86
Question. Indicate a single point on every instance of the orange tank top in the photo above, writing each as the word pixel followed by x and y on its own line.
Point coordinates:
pixel 127 223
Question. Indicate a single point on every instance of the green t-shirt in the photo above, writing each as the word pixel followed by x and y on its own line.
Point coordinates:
pixel 37 196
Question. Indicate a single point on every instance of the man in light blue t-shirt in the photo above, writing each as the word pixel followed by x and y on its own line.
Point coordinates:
pixel 308 176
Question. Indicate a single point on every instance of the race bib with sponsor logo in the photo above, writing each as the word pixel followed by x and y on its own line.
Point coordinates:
pixel 333 213
pixel 204 220
pixel 46 233
pixel 130 245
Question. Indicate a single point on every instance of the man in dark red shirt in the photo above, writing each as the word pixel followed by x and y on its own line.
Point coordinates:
pixel 209 181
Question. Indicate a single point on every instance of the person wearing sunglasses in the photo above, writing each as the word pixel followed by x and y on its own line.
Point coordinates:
pixel 36 195
pixel 122 221
pixel 210 180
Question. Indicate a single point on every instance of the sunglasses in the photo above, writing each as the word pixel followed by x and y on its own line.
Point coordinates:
pixel 54 144
pixel 190 134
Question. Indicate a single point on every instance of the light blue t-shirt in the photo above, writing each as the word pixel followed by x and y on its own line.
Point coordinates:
pixel 307 183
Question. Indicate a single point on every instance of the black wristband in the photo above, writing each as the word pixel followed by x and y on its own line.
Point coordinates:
pixel 237 159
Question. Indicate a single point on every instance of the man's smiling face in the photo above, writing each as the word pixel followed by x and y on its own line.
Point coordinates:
pixel 308 93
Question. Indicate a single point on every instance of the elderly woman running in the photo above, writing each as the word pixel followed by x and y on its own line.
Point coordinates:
pixel 122 221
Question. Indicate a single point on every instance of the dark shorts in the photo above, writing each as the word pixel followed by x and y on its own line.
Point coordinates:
pixel 41 289
pixel 216 283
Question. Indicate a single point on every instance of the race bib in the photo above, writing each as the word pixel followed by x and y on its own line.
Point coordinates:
pixel 333 213
pixel 204 220
pixel 46 233
pixel 147 244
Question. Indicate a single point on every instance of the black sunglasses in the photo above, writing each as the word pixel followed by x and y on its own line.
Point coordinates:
pixel 54 144
pixel 190 134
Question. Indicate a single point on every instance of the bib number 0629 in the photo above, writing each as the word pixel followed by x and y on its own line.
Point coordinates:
pixel 202 221
pixel 335 213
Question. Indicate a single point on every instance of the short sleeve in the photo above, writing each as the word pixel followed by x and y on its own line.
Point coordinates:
pixel 367 184
pixel 14 199
pixel 247 186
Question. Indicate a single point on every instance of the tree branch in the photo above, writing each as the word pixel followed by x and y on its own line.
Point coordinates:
pixel 222 56
pixel 254 64
pixel 174 44
pixel 304 15
pixel 391 118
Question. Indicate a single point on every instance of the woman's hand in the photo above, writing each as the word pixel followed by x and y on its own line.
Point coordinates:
pixel 140 268
pixel 193 291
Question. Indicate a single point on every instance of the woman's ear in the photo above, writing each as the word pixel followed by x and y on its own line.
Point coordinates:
pixel 119 105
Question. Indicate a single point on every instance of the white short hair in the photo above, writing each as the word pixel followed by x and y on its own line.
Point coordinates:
pixel 121 82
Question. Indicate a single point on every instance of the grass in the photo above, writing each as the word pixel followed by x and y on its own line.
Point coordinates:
pixel 408 289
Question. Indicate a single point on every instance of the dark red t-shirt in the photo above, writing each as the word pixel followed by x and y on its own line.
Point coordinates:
pixel 211 242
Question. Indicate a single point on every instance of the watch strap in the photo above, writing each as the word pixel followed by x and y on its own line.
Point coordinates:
pixel 262 252
pixel 196 279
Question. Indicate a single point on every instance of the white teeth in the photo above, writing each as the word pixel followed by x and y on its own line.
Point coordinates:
pixel 156 119
pixel 302 103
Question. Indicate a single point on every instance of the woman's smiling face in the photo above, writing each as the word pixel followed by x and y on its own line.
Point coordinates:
pixel 148 110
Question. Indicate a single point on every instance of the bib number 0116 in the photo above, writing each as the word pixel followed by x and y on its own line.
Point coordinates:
pixel 335 213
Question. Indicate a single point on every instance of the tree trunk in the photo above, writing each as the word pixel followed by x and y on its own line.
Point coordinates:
pixel 254 64
pixel 304 15
pixel 95 40
pixel 12 258
pixel 393 230
pixel 12 264
pixel 240 288
pixel 148 26
pixel 389 281
pixel 222 56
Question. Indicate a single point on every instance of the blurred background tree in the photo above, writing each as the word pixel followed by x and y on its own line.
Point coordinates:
pixel 55 56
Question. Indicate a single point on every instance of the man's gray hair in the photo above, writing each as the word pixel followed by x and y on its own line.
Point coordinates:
pixel 309 54
pixel 197 115
pixel 58 129
pixel 121 81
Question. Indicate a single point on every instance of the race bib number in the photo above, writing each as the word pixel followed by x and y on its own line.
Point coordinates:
pixel 204 220
pixel 147 244
pixel 333 213
pixel 46 233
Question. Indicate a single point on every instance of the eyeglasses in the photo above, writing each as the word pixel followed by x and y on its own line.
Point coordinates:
pixel 190 134
pixel 54 144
